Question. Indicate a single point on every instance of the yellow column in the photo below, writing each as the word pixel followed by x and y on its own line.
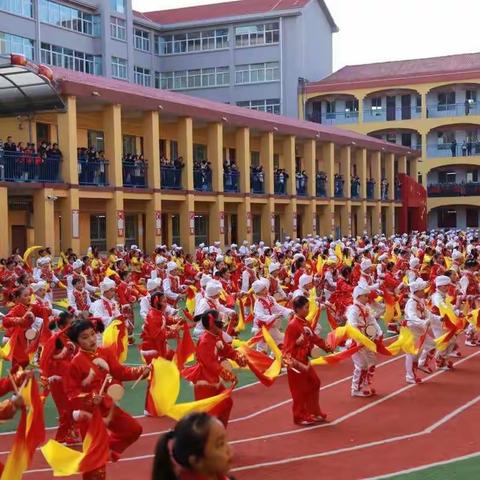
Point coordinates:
pixel 332 218
pixel 402 164
pixel 70 212
pixel 215 155
pixel 362 219
pixel 346 218
pixel 242 149
pixel 325 220
pixel 309 164
pixel 329 160
pixel 377 218
pixel 390 220
pixel 361 161
pixel 266 159
pixel 43 218
pixel 153 222
pixel 376 173
pixel 414 171
pixel 67 142
pixel 112 128
pixel 424 105
pixel 5 249
pixel 187 212
pixel 291 226
pixel 185 150
pixel 115 220
pixel 216 221
pixel 151 150
pixel 268 211
pixel 390 174
pixel 245 221
pixel 289 162
pixel 308 219
pixel 345 169
pixel 360 108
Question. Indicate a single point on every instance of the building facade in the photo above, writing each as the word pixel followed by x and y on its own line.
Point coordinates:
pixel 428 105
pixel 79 199
pixel 249 53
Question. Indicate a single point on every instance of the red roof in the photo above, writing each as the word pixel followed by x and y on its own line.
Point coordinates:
pixel 141 98
pixel 420 70
pixel 228 9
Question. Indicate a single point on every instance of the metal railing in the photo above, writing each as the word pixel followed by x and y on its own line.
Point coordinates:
pixel 320 187
pixel 280 184
pixel 202 180
pixel 338 118
pixel 453 189
pixel 26 167
pixel 436 110
pixel 171 178
pixel 453 149
pixel 231 182
pixel 257 183
pixel 93 172
pixel 135 174
pixel 385 114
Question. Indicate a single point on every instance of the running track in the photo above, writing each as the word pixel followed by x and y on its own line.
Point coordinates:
pixel 404 426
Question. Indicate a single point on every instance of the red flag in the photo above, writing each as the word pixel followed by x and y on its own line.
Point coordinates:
pixel 185 347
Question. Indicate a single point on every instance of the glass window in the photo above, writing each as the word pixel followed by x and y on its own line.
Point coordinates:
pixel 117 6
pixel 191 42
pixel 118 28
pixel 271 105
pixel 96 140
pixel 446 100
pixel 191 79
pixel 15 44
pixel 471 96
pixel 142 76
pixel 253 35
pixel 257 73
pixel 141 39
pixel 18 7
pixel 73 60
pixel 119 68
pixel 472 176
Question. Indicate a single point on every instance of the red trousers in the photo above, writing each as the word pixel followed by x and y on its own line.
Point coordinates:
pixel 66 425
pixel 305 390
pixel 221 410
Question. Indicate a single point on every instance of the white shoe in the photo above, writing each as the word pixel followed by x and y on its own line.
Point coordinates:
pixel 469 343
pixel 146 413
pixel 361 393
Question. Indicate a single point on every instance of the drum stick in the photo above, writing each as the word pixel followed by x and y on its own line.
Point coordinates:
pixel 14 385
pixel 107 379
pixel 137 381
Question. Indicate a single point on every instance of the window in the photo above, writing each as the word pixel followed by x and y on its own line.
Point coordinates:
pixel 71 59
pixel 19 7
pixel 447 218
pixel 472 176
pixel 70 18
pixel 117 6
pixel 331 107
pixel 131 230
pixel 446 101
pixel 447 177
pixel 391 137
pixel 15 44
pixel 96 140
pixel 142 76
pixel 445 139
pixel 472 217
pixel 199 152
pixel 129 144
pixel 257 73
pixel 118 28
pixel 351 106
pixel 255 159
pixel 192 79
pixel 119 68
pixel 376 105
pixel 271 105
pixel 141 39
pixel 471 96
pixel 98 232
pixel 253 35
pixel 191 42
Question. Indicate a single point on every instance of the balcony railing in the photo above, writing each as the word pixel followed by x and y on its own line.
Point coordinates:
pixel 338 118
pixel 453 149
pixel 280 185
pixel 257 183
pixel 453 189
pixel 320 187
pixel 338 188
pixel 135 174
pixel 386 114
pixel 436 110
pixel 231 182
pixel 24 167
pixel 171 178
pixel 370 190
pixel 202 180
pixel 93 172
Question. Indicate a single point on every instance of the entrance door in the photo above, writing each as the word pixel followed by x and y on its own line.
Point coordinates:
pixel 256 228
pixel 390 108
pixel 472 217
pixel 406 107
pixel 131 230
pixel 233 228
pixel 19 238
pixel 201 229
pixel 317 112
pixel 165 239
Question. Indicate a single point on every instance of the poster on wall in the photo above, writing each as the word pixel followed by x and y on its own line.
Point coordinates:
pixel 75 224
pixel 120 223
pixel 192 223
pixel 294 221
pixel 158 223
pixel 222 222
pixel 272 222
pixel 249 222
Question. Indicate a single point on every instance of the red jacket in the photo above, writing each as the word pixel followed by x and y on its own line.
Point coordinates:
pixel 155 333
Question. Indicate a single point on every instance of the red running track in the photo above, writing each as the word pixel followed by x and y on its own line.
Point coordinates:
pixel 405 426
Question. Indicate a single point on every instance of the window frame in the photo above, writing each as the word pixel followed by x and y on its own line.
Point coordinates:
pixel 141 41
pixel 247 36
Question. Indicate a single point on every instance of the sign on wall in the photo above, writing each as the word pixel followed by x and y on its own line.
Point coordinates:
pixel 75 224
pixel 158 223
pixel 120 223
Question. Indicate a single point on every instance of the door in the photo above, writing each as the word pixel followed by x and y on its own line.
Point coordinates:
pixel 165 239
pixel 256 228
pixel 472 217
pixel 43 133
pixel 406 107
pixel 201 229
pixel 390 108
pixel 233 228
pixel 19 238
pixel 317 112
pixel 131 230
pixel 407 139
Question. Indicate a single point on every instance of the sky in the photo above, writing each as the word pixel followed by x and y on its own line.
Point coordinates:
pixel 382 30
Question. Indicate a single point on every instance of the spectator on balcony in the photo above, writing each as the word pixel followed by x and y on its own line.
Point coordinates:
pixel 355 186
pixel 281 176
pixel 339 182
pixel 230 171
pixel 257 179
pixel 453 148
pixel 467 107
pixel 301 181
pixel 384 189
pixel 9 146
pixel 321 182
pixel 178 165
pixel 464 148
pixel 469 147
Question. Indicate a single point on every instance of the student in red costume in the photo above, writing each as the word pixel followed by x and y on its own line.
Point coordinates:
pixel 304 383
pixel 86 377
pixel 197 449
pixel 212 367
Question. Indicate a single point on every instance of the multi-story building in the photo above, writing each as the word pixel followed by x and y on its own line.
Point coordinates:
pixel 431 105
pixel 79 197
pixel 249 53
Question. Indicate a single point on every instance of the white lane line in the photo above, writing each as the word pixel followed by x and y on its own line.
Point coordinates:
pixel 426 431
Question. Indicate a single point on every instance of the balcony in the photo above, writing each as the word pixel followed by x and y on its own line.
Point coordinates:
pixel 384 189
pixel 231 182
pixel 381 114
pixel 135 174
pixel 280 184
pixel 355 189
pixel 398 191
pixel 439 110
pixel 202 179
pixel 170 178
pixel 93 172
pixel 453 149
pixel 339 118
pixel 321 187
pixel 257 183
pixel 338 187
pixel 453 189
pixel 25 167
pixel 370 190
